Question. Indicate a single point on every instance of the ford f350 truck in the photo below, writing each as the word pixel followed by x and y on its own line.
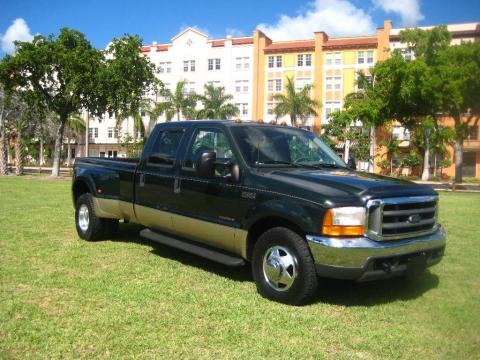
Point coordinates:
pixel 273 196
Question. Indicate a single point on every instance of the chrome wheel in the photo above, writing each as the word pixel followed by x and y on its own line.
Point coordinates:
pixel 83 218
pixel 279 268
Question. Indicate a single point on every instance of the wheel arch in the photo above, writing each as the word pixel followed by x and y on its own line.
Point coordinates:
pixel 79 187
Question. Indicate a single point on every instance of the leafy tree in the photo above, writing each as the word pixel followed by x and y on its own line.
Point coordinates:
pixel 392 150
pixel 65 74
pixel 216 104
pixel 457 69
pixel 426 43
pixel 297 104
pixel 176 103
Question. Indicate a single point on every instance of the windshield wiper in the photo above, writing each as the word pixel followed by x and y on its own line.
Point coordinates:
pixel 277 162
pixel 328 165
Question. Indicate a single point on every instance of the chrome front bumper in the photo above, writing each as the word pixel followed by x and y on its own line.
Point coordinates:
pixel 364 259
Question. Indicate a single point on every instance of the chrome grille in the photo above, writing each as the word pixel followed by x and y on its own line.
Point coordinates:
pixel 402 217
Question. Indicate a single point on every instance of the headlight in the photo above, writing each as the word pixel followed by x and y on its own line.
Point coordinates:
pixel 345 221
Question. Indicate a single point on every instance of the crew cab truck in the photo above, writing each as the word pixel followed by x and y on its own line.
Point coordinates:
pixel 274 196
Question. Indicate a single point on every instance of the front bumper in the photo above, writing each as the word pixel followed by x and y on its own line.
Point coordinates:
pixel 363 259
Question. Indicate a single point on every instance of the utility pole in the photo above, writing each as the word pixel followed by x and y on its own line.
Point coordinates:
pixel 87 134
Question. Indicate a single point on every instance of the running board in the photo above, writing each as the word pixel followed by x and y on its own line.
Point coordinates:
pixel 207 253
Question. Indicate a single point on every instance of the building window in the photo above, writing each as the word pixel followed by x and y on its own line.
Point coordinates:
pixel 369 57
pixel 270 107
pixel 241 86
pixel 332 106
pixel 189 88
pixel 213 64
pixel 278 85
pixel 360 57
pixel 338 83
pixel 308 60
pixel 111 153
pixel 270 85
pixel 90 133
pixel 472 133
pixel 271 61
pixel 216 84
pixel 110 132
pixel 279 61
pixel 360 86
pixel 304 60
pixel 243 107
pixel 242 63
pixel 115 133
pixel 165 67
pixel 95 133
pixel 338 58
pixel 301 82
pixel 329 59
pixel 189 65
pixel 300 60
pixel 328 83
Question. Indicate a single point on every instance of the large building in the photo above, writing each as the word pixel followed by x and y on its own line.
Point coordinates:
pixel 253 69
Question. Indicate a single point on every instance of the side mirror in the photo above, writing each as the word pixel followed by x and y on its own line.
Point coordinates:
pixel 205 164
pixel 234 175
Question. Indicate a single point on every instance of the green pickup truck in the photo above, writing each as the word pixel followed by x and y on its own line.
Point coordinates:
pixel 273 196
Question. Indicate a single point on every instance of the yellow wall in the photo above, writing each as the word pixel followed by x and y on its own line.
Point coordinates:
pixel 348 81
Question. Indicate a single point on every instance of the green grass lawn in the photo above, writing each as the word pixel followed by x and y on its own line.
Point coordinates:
pixel 66 298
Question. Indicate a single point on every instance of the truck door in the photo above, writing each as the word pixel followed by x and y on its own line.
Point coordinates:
pixel 205 209
pixel 155 179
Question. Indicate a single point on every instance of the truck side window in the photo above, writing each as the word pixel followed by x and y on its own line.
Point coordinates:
pixel 166 146
pixel 209 140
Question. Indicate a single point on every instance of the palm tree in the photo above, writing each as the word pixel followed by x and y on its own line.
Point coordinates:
pixel 138 124
pixel 75 127
pixel 216 104
pixel 176 103
pixel 297 104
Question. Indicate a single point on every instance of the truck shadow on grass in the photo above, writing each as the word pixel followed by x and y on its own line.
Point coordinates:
pixel 334 292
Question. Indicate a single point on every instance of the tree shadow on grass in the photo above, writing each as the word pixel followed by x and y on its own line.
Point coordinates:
pixel 335 292
pixel 131 233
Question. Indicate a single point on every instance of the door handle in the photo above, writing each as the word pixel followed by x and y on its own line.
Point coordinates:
pixel 141 181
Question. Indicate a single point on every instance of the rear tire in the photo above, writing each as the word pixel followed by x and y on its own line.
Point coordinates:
pixel 89 226
pixel 283 268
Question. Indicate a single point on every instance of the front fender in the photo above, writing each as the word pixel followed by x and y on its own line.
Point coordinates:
pixel 305 216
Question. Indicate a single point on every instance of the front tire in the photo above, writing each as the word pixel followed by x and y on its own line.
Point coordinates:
pixel 283 268
pixel 89 226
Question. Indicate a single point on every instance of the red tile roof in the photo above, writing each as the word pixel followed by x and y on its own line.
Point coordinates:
pixel 162 48
pixel 218 43
pixel 242 41
pixel 306 45
pixel 365 42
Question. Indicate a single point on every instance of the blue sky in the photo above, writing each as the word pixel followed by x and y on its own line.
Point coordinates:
pixel 161 20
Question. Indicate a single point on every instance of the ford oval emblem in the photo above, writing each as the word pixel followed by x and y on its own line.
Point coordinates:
pixel 414 219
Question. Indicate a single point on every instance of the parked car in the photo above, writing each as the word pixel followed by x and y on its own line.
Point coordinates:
pixel 273 196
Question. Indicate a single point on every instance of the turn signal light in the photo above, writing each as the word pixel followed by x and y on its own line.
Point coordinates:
pixel 346 221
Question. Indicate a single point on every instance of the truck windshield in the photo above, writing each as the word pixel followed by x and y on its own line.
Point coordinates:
pixel 263 146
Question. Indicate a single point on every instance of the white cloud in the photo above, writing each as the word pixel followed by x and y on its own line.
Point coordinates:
pixel 19 30
pixel 234 32
pixel 335 17
pixel 408 10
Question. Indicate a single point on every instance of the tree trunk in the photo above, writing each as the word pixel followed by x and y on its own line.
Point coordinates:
pixel 426 159
pixel 58 146
pixel 372 149
pixel 41 158
pixel 3 153
pixel 458 147
pixel 18 153
pixel 69 152
pixel 346 154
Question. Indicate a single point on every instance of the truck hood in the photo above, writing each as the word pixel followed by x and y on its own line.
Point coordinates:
pixel 336 186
